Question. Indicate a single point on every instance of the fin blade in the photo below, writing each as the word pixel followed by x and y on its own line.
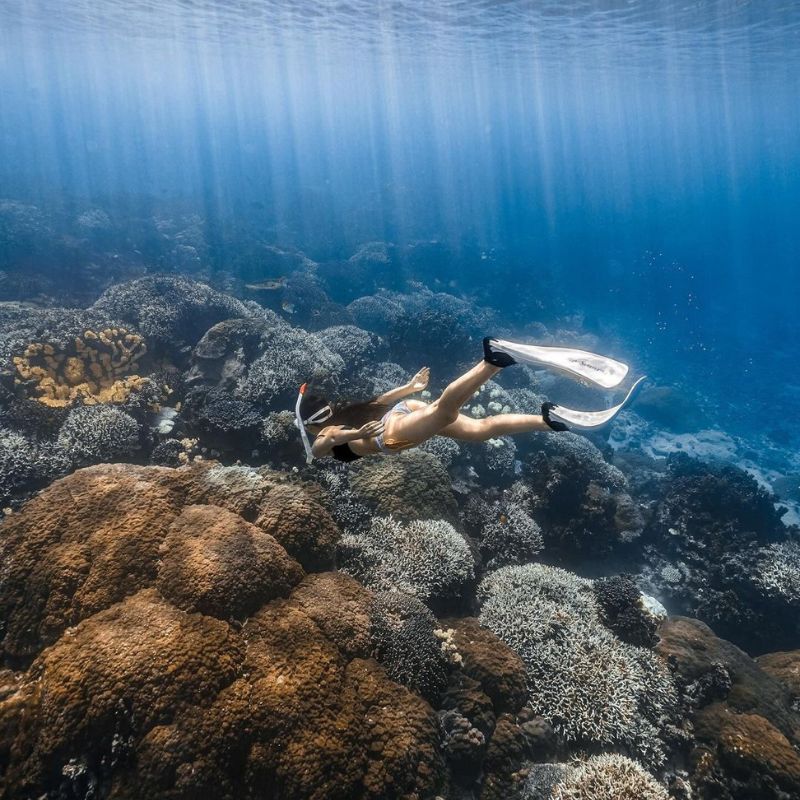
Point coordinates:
pixel 600 370
pixel 593 419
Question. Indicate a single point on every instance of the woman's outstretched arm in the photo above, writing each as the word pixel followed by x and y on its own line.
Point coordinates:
pixel 328 438
pixel 416 384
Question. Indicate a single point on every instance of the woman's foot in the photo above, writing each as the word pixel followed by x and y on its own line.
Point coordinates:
pixel 553 424
pixel 495 357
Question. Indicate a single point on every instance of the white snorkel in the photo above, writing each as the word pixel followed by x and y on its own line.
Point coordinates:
pixel 326 412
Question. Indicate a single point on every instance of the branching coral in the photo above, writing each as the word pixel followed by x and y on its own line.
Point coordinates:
pixel 95 367
pixel 91 434
pixel 425 558
pixel 506 531
pixel 591 686
pixel 777 571
pixel 608 777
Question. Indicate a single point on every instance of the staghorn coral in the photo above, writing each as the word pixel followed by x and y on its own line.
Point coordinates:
pixel 94 367
pixel 426 558
pixel 92 434
pixel 608 777
pixel 587 683
pixel 777 571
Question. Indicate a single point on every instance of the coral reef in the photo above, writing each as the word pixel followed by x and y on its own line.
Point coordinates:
pixel 506 532
pixel 403 635
pixel 581 501
pixel 130 695
pixel 410 485
pixel 709 554
pixel 608 777
pixel 169 310
pixel 623 611
pixel 746 733
pixel 92 434
pixel 589 685
pixel 425 558
pixel 301 525
pixel 96 367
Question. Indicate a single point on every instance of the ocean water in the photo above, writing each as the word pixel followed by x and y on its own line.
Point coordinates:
pixel 617 175
pixel 637 161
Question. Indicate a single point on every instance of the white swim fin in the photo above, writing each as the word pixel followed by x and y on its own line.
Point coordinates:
pixel 600 370
pixel 592 419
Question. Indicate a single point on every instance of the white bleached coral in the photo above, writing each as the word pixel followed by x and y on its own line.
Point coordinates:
pixel 608 777
pixel 92 434
pixel 777 571
pixel 589 685
pixel 425 558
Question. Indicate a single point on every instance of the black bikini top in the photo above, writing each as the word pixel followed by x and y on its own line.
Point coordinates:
pixel 342 452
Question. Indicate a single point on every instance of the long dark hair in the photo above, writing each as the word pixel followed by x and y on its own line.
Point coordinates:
pixel 350 415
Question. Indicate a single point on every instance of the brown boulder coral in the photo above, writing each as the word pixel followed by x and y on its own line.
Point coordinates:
pixel 412 485
pixel 785 667
pixel 304 528
pixel 120 671
pixel 131 697
pixel 488 660
pixel 746 734
pixel 78 547
pixel 341 608
pixel 215 562
pixel 100 534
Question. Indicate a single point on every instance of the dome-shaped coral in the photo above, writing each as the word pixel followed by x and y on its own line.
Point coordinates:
pixel 301 525
pixel 215 562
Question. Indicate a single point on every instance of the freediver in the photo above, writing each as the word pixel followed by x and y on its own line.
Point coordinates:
pixel 390 423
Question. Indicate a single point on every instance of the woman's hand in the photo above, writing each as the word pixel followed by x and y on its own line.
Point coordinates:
pixel 370 430
pixel 420 380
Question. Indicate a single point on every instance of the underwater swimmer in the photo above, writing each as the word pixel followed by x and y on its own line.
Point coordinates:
pixel 390 423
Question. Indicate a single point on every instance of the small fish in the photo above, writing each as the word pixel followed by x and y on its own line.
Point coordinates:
pixel 287 307
pixel 503 519
pixel 267 286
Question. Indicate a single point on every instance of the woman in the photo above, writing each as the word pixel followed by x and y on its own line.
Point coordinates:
pixel 390 423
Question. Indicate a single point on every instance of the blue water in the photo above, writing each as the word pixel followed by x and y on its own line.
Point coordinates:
pixel 634 163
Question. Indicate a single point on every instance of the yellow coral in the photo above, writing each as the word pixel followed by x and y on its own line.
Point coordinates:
pixel 96 367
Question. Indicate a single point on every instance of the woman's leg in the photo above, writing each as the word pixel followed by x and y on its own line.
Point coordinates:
pixel 468 429
pixel 425 422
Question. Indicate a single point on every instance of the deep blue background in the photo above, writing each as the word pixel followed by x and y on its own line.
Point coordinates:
pixel 644 170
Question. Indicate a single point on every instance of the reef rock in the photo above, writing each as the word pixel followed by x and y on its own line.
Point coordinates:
pixel 746 733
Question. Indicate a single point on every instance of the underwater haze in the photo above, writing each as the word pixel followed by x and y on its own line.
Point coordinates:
pixel 225 221
pixel 639 159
